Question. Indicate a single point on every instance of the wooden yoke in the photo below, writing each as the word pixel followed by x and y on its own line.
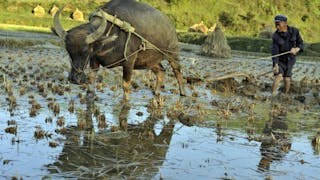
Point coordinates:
pixel 131 30
pixel 113 19
pixel 122 24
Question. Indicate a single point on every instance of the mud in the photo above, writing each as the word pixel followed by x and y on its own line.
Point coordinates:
pixel 232 128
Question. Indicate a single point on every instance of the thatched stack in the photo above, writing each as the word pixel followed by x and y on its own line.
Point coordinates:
pixel 77 15
pixel 53 10
pixel 216 45
pixel 266 33
pixel 38 11
pixel 201 27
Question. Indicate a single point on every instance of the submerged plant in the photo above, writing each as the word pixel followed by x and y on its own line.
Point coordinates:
pixel 71 106
pixel 102 121
pixel 39 133
pixel 225 113
pixel 11 129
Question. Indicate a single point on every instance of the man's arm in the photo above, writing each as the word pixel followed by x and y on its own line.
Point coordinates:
pixel 275 50
pixel 298 44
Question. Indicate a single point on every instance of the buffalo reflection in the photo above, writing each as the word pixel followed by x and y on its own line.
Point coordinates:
pixel 132 151
pixel 276 141
pixel 315 142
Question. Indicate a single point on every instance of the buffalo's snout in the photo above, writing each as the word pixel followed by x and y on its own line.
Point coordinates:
pixel 77 77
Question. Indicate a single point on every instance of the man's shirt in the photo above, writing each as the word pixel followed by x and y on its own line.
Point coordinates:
pixel 283 42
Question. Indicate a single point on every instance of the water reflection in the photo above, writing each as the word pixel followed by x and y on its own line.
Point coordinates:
pixel 315 142
pixel 126 151
pixel 276 142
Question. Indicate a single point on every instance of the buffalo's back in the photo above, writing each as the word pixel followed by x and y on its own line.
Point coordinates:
pixel 149 22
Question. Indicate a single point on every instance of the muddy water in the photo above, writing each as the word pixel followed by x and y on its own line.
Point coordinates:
pixel 228 129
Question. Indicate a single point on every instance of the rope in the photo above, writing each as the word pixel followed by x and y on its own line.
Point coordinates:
pixel 277 55
pixel 108 33
pixel 265 73
pixel 236 74
pixel 79 70
pixel 126 46
pixel 119 61
pixel 131 30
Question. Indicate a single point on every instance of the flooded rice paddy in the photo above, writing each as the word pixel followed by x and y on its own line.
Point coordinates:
pixel 227 129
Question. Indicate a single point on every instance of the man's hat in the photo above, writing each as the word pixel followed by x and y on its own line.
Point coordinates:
pixel 279 18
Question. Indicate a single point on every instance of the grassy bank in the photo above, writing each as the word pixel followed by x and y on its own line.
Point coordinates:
pixel 12 27
pixel 19 12
pixel 244 18
pixel 250 44
pixel 240 20
pixel 236 17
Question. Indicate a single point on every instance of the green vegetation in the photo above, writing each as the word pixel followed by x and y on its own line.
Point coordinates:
pixel 19 12
pixel 11 43
pixel 22 43
pixel 12 27
pixel 237 17
pixel 250 44
pixel 242 17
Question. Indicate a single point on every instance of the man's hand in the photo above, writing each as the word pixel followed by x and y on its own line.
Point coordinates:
pixel 275 69
pixel 295 51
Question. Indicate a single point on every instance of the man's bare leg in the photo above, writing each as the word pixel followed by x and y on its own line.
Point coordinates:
pixel 276 84
pixel 287 81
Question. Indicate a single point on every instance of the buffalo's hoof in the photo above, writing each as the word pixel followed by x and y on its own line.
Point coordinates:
pixel 183 94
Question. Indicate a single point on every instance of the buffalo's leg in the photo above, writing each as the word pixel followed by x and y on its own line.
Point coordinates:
pixel 123 117
pixel 94 65
pixel 91 88
pixel 159 71
pixel 276 84
pixel 126 84
pixel 126 77
pixel 177 72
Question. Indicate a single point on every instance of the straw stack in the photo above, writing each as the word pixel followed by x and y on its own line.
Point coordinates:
pixel 216 45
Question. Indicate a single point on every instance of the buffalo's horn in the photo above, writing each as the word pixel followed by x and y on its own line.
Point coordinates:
pixel 98 33
pixel 57 25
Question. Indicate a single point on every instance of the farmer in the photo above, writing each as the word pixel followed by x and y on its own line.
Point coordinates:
pixel 284 39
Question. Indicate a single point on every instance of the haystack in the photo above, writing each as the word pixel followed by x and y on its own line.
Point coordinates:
pixel 53 10
pixel 201 28
pixel 38 11
pixel 266 33
pixel 77 15
pixel 216 45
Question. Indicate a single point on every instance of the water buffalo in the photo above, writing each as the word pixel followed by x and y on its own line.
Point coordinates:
pixel 100 42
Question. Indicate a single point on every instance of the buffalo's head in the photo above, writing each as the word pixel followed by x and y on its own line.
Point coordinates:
pixel 79 42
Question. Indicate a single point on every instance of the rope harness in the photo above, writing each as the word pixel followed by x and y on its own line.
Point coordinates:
pixel 125 26
pixel 130 30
